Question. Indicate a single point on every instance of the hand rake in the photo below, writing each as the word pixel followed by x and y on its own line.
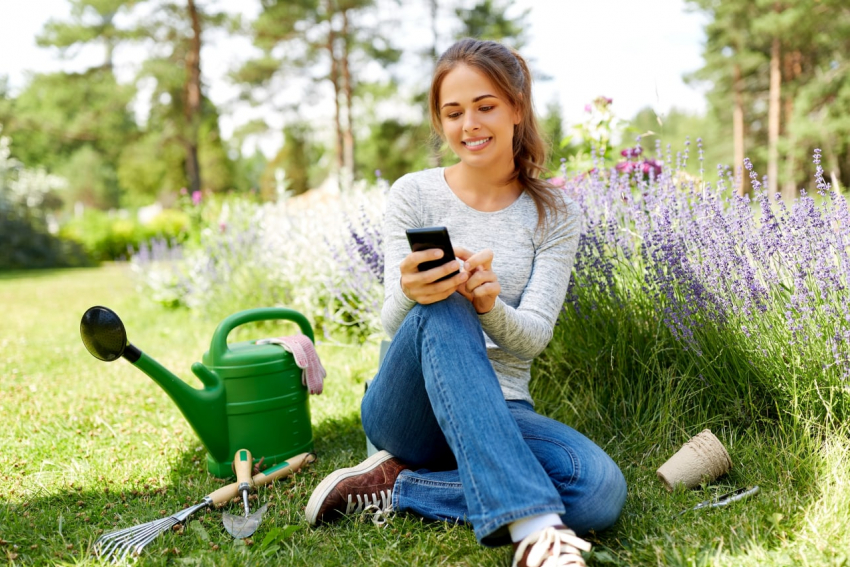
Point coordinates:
pixel 128 543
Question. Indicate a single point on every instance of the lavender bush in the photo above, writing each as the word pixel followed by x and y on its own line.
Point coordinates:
pixel 356 284
pixel 751 292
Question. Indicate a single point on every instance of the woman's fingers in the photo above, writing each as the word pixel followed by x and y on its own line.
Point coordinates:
pixel 479 277
pixel 410 264
pixel 483 259
pixel 462 253
pixel 428 287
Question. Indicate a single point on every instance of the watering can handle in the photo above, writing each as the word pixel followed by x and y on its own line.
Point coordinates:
pixel 219 341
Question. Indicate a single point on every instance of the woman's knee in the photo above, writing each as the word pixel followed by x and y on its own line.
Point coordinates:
pixel 454 308
pixel 591 485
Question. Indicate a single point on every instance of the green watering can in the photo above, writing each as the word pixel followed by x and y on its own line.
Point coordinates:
pixel 252 396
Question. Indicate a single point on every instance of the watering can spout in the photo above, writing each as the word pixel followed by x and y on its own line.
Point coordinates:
pixel 105 338
pixel 204 408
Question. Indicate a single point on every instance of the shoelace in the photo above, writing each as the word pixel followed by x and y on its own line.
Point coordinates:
pixel 379 506
pixel 553 548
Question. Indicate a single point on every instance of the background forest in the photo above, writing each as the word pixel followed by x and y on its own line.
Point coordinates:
pixel 775 73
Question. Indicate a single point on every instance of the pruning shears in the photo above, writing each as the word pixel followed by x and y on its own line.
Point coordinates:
pixel 725 499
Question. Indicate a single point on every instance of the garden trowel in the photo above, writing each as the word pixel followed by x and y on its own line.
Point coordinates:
pixel 244 526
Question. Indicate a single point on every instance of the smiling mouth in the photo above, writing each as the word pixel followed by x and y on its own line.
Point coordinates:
pixel 476 143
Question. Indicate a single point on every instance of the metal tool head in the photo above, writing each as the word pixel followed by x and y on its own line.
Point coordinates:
pixel 243 526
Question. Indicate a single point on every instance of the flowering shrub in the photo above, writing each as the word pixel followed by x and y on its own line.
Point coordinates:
pixel 27 225
pixel 755 277
pixel 295 253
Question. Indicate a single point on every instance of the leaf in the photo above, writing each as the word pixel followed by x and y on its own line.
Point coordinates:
pixel 270 538
pixel 288 531
pixel 604 557
pixel 200 532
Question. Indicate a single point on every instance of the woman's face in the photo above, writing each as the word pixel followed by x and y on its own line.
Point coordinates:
pixel 477 121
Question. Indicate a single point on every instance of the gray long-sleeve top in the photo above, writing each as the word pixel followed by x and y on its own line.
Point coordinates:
pixel 533 267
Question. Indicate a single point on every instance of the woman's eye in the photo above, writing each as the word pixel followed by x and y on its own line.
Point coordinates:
pixel 453 115
pixel 486 108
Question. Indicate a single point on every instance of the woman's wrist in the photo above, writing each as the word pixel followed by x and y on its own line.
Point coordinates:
pixel 404 291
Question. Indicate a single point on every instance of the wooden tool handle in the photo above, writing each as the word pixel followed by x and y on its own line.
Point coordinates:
pixel 224 494
pixel 243 464
pixel 283 469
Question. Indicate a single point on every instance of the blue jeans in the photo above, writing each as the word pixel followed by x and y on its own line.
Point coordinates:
pixel 436 404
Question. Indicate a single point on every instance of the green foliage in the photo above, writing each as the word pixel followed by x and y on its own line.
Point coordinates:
pixel 488 19
pixel 27 244
pixel 147 167
pixel 26 197
pixel 77 124
pixel 106 236
pixel 590 139
pixel 813 37
pixel 300 159
pixel 91 21
pixel 672 128
pixel 395 148
pixel 552 128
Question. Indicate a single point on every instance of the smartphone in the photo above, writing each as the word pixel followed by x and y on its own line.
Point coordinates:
pixel 432 237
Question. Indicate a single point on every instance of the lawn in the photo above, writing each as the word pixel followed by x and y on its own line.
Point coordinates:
pixel 91 446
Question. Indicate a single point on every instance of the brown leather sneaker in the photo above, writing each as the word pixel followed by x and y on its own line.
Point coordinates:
pixel 366 487
pixel 557 546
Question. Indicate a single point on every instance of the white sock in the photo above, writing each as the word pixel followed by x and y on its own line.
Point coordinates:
pixel 527 526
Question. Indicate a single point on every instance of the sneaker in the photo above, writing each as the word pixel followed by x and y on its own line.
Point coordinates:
pixel 552 547
pixel 368 487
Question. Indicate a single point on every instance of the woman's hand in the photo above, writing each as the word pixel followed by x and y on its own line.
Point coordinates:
pixel 482 287
pixel 423 287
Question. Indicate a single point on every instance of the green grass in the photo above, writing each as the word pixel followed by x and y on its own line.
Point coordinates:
pixel 89 446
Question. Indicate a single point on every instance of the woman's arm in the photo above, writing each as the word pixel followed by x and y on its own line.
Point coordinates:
pixel 525 331
pixel 401 214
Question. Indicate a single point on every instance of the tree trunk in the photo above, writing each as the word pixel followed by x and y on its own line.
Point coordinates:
pixel 789 185
pixel 348 133
pixel 738 130
pixel 436 158
pixel 335 81
pixel 774 100
pixel 192 102
pixel 793 69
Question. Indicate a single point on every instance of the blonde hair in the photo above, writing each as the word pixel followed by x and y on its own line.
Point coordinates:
pixel 509 73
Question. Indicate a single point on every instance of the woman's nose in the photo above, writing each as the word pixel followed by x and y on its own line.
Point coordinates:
pixel 469 122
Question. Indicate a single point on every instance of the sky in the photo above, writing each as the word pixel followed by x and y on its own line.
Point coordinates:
pixel 633 52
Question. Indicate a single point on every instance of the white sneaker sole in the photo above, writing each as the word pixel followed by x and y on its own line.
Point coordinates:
pixel 325 487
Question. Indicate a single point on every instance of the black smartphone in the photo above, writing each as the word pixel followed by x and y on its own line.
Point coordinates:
pixel 432 237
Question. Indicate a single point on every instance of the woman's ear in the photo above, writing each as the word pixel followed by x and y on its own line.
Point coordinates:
pixel 518 111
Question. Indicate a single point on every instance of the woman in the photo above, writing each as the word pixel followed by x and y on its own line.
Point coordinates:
pixel 450 406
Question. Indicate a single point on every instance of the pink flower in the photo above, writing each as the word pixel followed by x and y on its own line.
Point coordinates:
pixel 632 152
pixel 557 182
pixel 196 198
pixel 625 167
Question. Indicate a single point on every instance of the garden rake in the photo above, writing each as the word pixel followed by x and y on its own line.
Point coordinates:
pixel 128 543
